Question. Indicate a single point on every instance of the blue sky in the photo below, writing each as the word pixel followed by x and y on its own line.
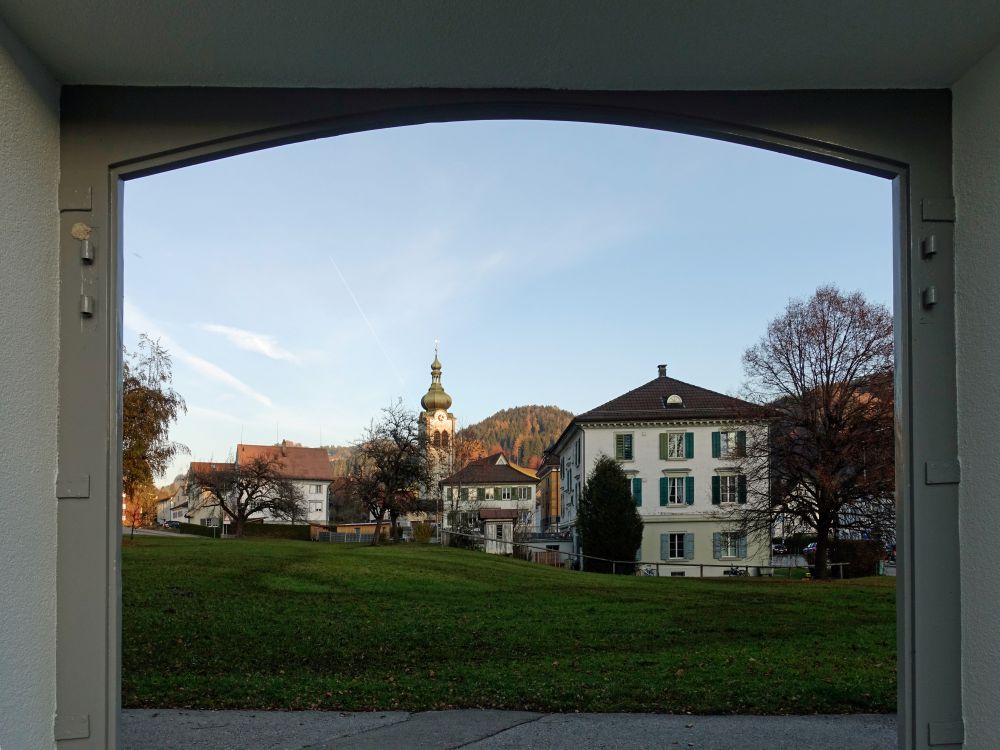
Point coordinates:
pixel 300 289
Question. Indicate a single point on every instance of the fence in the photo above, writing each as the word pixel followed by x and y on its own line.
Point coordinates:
pixel 342 537
pixel 576 561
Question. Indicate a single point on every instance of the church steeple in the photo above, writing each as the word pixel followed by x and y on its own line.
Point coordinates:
pixel 436 398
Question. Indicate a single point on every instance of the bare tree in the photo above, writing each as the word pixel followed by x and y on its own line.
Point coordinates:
pixel 242 491
pixel 391 464
pixel 824 373
pixel 149 406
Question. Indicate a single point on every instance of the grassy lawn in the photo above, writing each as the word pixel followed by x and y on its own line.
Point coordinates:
pixel 297 625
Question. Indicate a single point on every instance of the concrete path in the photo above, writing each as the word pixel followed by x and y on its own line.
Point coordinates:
pixel 497 730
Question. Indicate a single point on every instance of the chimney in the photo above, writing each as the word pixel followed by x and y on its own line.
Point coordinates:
pixel 662 370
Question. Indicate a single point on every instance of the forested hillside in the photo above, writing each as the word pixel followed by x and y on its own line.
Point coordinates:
pixel 521 432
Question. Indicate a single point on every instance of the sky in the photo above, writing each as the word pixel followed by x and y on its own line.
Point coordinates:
pixel 300 289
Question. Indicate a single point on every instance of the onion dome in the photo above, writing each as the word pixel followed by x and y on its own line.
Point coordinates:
pixel 436 398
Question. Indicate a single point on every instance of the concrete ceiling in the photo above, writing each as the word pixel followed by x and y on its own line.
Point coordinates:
pixel 587 44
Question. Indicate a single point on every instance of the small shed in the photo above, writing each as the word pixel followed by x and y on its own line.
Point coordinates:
pixel 498 530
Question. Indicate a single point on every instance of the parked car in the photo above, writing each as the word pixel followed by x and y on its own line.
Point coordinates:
pixel 172 524
pixel 890 554
pixel 809 549
pixel 779 549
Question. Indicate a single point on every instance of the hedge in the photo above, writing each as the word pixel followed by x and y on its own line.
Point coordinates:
pixel 269 530
pixel 199 530
pixel 862 555
pixel 277 531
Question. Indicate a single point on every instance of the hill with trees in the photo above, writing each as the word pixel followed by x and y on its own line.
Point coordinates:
pixel 522 432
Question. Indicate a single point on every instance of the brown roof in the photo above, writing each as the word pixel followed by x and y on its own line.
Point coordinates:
pixel 296 462
pixel 489 470
pixel 497 514
pixel 648 403
pixel 203 467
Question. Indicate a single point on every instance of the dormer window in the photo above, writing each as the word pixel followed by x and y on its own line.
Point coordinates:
pixel 673 401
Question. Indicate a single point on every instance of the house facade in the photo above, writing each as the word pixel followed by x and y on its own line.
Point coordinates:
pixel 309 469
pixel 493 497
pixel 676 443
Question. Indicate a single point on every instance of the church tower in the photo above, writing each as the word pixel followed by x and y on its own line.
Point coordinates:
pixel 437 422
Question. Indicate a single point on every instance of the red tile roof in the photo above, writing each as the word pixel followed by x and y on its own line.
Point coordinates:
pixel 296 462
pixel 489 471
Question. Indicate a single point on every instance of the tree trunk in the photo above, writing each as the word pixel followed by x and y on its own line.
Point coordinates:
pixel 377 536
pixel 240 521
pixel 822 546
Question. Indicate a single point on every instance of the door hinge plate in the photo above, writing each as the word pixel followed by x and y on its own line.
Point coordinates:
pixel 73 488
pixel 937 209
pixel 945 733
pixel 72 727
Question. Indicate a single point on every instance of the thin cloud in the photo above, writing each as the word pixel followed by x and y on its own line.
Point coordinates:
pixel 137 321
pixel 251 341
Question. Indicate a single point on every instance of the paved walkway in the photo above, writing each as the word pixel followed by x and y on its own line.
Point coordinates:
pixel 497 730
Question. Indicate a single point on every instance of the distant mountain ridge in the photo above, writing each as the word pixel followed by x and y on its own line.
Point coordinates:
pixel 522 432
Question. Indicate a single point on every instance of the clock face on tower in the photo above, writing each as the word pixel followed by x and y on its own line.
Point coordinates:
pixel 439 415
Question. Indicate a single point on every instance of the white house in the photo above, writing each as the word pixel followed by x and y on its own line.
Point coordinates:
pixel 308 469
pixel 492 496
pixel 673 440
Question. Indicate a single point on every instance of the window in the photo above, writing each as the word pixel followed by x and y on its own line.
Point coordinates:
pixel 676 573
pixel 728 488
pixel 577 452
pixel 317 489
pixel 437 439
pixel 500 531
pixel 676 549
pixel 675 490
pixel 675 445
pixel 637 491
pixel 444 439
pixel 317 507
pixel 729 545
pixel 623 446
pixel 524 493
pixel 729 444
pixel 505 493
pixel 525 517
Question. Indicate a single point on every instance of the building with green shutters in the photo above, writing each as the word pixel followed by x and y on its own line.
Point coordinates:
pixel 493 498
pixel 678 445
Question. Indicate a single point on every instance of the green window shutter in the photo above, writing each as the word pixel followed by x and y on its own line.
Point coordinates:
pixel 716 490
pixel 741 443
pixel 496 493
pixel 689 546
pixel 481 494
pixel 619 447
pixel 716 445
pixel 689 490
pixel 741 547
pixel 663 446
pixel 741 488
pixel 637 491
pixel 717 545
pixel 664 491
pixel 688 445
pixel 464 492
pixel 664 546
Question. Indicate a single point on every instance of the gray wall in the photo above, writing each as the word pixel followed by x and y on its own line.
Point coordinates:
pixel 29 177
pixel 977 272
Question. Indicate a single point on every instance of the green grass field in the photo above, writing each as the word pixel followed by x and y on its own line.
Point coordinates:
pixel 296 625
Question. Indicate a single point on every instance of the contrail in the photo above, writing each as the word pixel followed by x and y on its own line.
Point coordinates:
pixel 370 326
